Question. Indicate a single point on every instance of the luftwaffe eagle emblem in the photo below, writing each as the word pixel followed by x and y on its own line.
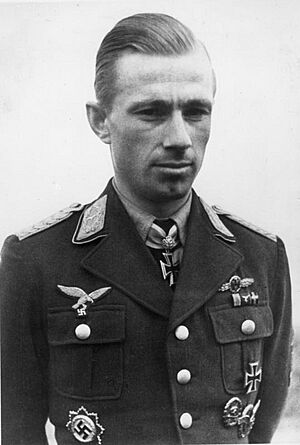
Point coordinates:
pixel 83 298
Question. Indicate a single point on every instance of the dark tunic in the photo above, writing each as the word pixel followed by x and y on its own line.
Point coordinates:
pixel 123 378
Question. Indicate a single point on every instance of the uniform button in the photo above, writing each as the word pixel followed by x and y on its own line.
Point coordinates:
pixel 183 376
pixel 186 420
pixel 248 327
pixel 83 331
pixel 182 332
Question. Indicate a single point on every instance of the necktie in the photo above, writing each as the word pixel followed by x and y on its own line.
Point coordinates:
pixel 163 241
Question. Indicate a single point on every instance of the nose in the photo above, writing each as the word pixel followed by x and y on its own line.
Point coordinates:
pixel 176 133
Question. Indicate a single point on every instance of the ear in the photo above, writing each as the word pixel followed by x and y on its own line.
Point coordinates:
pixel 97 119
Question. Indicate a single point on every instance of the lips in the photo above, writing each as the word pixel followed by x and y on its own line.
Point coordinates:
pixel 173 164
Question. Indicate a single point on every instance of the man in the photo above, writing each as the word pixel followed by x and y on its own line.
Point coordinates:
pixel 147 316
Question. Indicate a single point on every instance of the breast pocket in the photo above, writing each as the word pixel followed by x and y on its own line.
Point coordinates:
pixel 240 333
pixel 86 356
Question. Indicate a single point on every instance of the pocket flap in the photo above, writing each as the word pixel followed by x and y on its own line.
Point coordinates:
pixel 227 323
pixel 107 325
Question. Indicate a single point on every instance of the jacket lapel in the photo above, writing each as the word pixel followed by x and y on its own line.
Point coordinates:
pixel 122 259
pixel 209 259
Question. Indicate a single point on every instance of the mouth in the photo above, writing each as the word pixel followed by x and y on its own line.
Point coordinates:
pixel 176 165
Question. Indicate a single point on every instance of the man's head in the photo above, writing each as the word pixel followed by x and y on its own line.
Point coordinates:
pixel 155 87
pixel 152 34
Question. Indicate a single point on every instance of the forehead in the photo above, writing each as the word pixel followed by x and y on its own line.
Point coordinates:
pixel 164 76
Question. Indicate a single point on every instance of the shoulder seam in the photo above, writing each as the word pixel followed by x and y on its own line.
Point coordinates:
pixel 246 224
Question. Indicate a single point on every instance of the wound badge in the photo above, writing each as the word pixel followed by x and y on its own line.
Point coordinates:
pixel 235 415
pixel 85 426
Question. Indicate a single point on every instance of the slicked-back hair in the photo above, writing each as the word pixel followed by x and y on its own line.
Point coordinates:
pixel 147 33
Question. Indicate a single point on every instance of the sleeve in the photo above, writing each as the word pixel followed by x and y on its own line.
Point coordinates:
pixel 24 348
pixel 277 355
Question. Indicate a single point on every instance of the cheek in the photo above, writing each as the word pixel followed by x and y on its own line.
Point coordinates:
pixel 127 153
pixel 200 136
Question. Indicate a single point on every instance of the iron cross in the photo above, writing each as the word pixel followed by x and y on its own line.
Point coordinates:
pixel 252 378
pixel 169 269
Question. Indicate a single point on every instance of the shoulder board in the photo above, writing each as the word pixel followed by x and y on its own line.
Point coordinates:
pixel 245 223
pixel 50 221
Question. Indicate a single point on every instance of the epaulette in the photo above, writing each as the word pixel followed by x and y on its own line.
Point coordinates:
pixel 244 223
pixel 50 221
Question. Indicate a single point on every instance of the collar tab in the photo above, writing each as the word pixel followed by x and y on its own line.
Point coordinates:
pixel 91 222
pixel 222 230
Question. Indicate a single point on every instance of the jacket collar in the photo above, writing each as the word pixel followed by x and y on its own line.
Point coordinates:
pixel 120 257
pixel 92 221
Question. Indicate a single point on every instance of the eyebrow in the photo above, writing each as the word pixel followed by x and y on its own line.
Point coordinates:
pixel 160 103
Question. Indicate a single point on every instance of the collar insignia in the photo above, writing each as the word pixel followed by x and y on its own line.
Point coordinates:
pixel 83 298
pixel 85 426
pixel 222 230
pixel 91 222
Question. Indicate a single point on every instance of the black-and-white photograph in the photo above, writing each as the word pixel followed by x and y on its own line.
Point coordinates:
pixel 150 244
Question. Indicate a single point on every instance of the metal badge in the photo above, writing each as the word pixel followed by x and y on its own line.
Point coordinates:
pixel 247 420
pixel 170 269
pixel 236 283
pixel 235 415
pixel 253 378
pixel 168 243
pixel 83 297
pixel 250 299
pixel 232 411
pixel 85 426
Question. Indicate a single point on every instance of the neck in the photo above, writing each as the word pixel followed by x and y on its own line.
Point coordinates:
pixel 159 209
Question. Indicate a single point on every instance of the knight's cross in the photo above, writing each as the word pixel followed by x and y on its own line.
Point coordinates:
pixel 169 268
pixel 253 378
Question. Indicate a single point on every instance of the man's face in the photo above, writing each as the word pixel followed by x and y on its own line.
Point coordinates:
pixel 159 124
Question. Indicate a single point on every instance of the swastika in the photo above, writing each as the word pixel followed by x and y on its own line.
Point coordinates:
pixel 83 430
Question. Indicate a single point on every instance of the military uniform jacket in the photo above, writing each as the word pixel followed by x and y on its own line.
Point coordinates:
pixel 134 362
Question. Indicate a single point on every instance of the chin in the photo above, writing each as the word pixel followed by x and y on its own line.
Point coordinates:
pixel 171 192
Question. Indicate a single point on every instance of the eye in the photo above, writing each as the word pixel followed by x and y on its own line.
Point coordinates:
pixel 151 113
pixel 196 113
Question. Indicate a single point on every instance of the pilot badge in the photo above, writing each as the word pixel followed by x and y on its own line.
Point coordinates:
pixel 85 426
